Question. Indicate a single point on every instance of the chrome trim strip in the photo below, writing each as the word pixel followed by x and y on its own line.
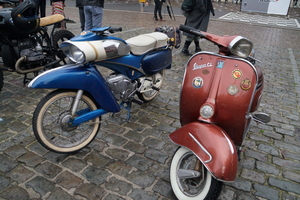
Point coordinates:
pixel 202 147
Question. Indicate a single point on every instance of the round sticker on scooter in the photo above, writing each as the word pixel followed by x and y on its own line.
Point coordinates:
pixel 232 89
pixel 246 84
pixel 198 82
pixel 236 74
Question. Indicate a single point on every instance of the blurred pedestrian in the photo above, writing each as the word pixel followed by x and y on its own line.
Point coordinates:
pixel 81 14
pixel 41 7
pixel 93 13
pixel 295 2
pixel 143 3
pixel 157 9
pixel 198 18
pixel 58 8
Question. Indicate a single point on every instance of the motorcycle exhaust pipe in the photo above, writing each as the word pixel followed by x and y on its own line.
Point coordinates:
pixel 21 71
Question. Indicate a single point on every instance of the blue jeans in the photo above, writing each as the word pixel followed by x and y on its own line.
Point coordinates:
pixel 93 17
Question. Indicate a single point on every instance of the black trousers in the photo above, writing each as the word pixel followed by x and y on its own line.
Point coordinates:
pixel 157 9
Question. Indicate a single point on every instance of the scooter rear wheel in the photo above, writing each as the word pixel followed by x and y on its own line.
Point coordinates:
pixel 150 93
pixel 51 117
pixel 203 187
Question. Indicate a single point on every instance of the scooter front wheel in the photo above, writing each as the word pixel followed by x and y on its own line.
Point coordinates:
pixel 188 186
pixel 51 122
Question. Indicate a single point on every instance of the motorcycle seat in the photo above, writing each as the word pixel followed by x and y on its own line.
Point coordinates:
pixel 45 21
pixel 141 44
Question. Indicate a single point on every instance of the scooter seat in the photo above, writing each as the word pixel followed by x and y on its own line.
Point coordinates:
pixel 143 43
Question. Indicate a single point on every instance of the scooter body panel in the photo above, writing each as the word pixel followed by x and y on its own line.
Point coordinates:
pixel 227 84
pixel 212 146
pixel 79 77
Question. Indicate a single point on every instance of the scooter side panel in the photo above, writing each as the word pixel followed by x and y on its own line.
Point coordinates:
pixel 227 83
pixel 78 77
pixel 212 146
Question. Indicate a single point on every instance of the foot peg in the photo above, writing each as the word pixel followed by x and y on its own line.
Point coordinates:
pixel 137 101
pixel 155 88
pixel 262 118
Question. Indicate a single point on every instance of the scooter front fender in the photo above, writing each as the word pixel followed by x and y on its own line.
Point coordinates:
pixel 212 146
pixel 79 77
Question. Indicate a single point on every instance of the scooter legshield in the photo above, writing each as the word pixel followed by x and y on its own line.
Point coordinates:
pixel 79 77
pixel 212 146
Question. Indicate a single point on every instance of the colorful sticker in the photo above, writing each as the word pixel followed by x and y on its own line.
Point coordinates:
pixel 246 84
pixel 232 89
pixel 236 74
pixel 220 64
pixel 198 82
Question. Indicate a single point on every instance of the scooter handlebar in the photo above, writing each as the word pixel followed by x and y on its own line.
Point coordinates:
pixel 191 30
pixel 115 29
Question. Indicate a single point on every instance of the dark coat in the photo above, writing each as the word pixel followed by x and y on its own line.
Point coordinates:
pixel 198 18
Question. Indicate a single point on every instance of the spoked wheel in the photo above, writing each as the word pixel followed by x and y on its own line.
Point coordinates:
pixel 152 85
pixel 51 117
pixel 59 37
pixel 188 186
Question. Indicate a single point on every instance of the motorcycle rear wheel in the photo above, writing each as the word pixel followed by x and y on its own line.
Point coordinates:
pixel 157 82
pixel 204 187
pixel 51 117
pixel 59 37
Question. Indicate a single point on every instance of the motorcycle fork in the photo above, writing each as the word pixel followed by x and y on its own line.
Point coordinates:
pixel 76 103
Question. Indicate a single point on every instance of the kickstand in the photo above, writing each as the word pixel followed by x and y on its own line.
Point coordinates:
pixel 127 106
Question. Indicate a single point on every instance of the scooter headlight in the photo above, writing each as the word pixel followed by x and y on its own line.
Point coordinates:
pixel 73 52
pixel 206 111
pixel 240 47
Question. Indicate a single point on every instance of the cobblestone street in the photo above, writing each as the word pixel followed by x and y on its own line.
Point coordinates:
pixel 130 160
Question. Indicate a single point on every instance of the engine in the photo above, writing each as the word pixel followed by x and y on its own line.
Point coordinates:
pixel 122 87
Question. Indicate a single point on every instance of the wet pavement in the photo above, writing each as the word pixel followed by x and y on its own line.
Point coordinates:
pixel 130 160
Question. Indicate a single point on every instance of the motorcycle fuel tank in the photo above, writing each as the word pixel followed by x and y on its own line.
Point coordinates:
pixel 226 84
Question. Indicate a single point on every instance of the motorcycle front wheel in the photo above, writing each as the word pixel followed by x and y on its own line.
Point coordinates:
pixel 51 117
pixel 204 186
pixel 156 82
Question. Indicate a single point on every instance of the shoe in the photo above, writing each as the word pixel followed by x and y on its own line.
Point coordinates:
pixel 185 52
pixel 198 49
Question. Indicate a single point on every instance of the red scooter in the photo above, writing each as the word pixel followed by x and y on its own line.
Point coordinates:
pixel 220 92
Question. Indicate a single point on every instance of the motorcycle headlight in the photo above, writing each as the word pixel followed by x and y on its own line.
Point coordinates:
pixel 240 47
pixel 85 51
pixel 73 52
pixel 206 111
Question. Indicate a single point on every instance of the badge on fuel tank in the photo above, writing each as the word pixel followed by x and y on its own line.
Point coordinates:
pixel 198 82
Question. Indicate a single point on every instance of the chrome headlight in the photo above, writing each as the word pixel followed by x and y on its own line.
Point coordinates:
pixel 73 52
pixel 206 111
pixel 240 47
pixel 85 51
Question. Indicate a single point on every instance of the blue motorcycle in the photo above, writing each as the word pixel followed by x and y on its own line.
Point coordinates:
pixel 68 119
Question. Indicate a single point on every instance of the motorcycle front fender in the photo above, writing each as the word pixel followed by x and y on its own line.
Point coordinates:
pixel 212 146
pixel 78 77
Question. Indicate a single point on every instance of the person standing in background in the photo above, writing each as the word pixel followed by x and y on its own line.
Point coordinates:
pixel 41 7
pixel 93 12
pixel 81 14
pixel 198 18
pixel 143 3
pixel 58 8
pixel 157 9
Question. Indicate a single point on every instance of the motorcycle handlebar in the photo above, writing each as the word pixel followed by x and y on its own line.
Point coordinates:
pixel 115 29
pixel 191 30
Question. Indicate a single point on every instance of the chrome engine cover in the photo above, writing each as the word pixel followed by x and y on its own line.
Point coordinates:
pixel 122 87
